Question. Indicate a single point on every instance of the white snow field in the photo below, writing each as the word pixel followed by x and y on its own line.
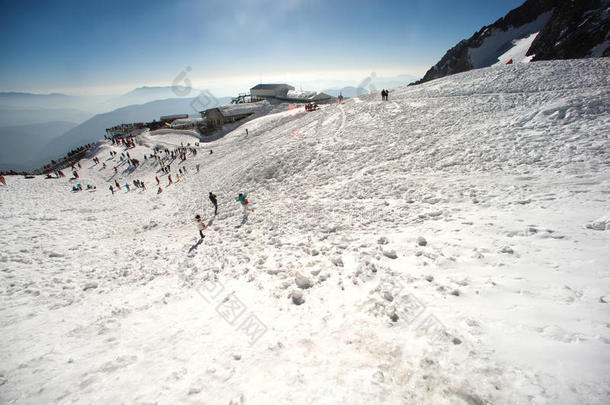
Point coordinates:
pixel 448 246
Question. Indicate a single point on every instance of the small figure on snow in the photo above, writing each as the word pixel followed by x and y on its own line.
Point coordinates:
pixel 241 198
pixel 200 225
pixel 214 201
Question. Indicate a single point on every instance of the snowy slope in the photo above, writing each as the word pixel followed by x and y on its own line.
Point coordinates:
pixel 504 172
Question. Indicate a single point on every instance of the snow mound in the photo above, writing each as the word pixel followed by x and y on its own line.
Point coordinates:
pixel 601 224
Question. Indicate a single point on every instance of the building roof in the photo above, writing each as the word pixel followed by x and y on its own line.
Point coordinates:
pixel 270 86
pixel 173 117
pixel 299 95
pixel 237 109
pixel 229 110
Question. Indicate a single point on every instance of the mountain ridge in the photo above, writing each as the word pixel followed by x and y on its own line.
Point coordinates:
pixel 572 31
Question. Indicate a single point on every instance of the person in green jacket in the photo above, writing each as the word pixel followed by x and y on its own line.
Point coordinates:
pixel 241 198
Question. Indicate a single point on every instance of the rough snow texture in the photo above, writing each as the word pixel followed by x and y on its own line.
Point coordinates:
pixel 111 299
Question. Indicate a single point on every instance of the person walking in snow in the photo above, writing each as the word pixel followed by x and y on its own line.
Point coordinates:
pixel 170 179
pixel 111 189
pixel 198 165
pixel 200 225
pixel 241 198
pixel 127 186
pixel 214 201
pixel 2 180
pixel 156 178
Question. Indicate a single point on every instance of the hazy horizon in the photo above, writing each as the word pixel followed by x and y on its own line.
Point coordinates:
pixel 109 48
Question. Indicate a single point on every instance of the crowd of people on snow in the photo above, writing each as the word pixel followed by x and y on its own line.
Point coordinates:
pixel 128 142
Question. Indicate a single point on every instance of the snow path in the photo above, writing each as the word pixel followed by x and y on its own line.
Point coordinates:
pixel 110 299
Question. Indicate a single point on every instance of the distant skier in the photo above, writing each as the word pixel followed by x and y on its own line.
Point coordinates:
pixel 198 165
pixel 241 198
pixel 200 225
pixel 214 201
pixel 156 178
pixel 2 180
pixel 116 183
pixel 127 186
pixel 246 131
pixel 160 190
pixel 170 179
pixel 111 189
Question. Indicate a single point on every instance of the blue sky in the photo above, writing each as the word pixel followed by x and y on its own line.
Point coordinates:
pixel 110 46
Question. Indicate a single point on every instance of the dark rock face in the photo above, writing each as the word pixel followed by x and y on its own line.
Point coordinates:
pixel 573 30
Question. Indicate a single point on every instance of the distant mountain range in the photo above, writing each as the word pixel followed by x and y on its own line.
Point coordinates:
pixel 12 115
pixel 552 29
pixel 52 101
pixel 24 147
pixel 93 104
pixel 145 94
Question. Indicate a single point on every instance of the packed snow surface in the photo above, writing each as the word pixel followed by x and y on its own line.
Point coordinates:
pixel 448 246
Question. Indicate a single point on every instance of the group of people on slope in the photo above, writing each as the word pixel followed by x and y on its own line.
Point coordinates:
pixel 241 198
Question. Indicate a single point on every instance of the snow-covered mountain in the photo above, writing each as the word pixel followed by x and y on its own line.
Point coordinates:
pixel 448 246
pixel 537 30
pixel 147 94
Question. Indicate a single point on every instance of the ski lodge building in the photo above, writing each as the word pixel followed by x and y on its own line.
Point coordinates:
pixel 285 92
pixel 226 114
